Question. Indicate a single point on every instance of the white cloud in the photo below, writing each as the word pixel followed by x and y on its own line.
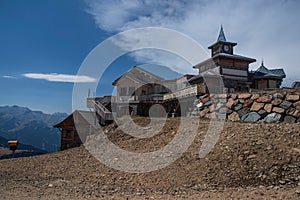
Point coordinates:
pixel 263 29
pixel 61 78
pixel 10 77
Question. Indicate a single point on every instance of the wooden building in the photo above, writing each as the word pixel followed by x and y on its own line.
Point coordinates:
pixel 76 128
pixel 231 68
pixel 264 78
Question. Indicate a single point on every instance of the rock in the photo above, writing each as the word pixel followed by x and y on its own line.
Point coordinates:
pixel 255 96
pixel 211 108
pixel 231 102
pixel 243 111
pixel 199 105
pixel 241 101
pixel 294 112
pixel 208 103
pixel 211 115
pixel 285 104
pixel 268 107
pixel 221 116
pixel 278 95
pixel 223 110
pixel 264 99
pixel 234 117
pixel 289 119
pixel 219 105
pixel 251 156
pixel 223 101
pixel 292 97
pixel 205 99
pixel 278 110
pixel 262 113
pixel 276 102
pixel 248 103
pixel 251 117
pixel 297 105
pixel 244 95
pixel 273 117
pixel 256 106
pixel 233 96
pixel 298 120
pixel 238 107
pixel 222 96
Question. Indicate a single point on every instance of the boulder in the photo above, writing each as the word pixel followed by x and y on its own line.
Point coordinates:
pixel 243 111
pixel 205 99
pixel 219 105
pixel 276 102
pixel 208 103
pixel 231 102
pixel 244 96
pixel 234 117
pixel 257 106
pixel 297 105
pixel 221 116
pixel 255 96
pixel 234 96
pixel 278 95
pixel 294 112
pixel 264 99
pixel 251 117
pixel 292 97
pixel 268 107
pixel 278 110
pixel 273 117
pixel 238 107
pixel 298 120
pixel 285 104
pixel 289 119
pixel 262 113
pixel 248 103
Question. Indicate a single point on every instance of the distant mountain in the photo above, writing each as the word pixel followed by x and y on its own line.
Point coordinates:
pixel 34 128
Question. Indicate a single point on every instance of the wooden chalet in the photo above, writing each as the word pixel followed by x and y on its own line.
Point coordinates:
pixel 76 127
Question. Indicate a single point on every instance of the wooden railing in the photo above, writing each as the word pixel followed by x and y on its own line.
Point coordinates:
pixel 185 92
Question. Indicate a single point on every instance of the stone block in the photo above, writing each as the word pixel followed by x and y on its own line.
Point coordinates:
pixel 292 97
pixel 251 117
pixel 234 117
pixel 297 105
pixel 278 95
pixel 294 112
pixel 248 103
pixel 285 104
pixel 278 110
pixel 273 117
pixel 231 102
pixel 255 96
pixel 289 119
pixel 268 107
pixel 257 106
pixel 277 101
pixel 244 96
pixel 243 111
pixel 238 107
pixel 264 99
pixel 262 113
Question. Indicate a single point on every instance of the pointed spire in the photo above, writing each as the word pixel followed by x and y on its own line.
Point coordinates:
pixel 221 37
pixel 262 62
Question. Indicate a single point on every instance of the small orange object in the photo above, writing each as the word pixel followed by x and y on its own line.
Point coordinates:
pixel 13 145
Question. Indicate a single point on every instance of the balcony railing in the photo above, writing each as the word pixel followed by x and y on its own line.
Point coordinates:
pixel 185 92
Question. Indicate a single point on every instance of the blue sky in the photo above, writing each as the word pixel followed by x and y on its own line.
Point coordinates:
pixel 44 42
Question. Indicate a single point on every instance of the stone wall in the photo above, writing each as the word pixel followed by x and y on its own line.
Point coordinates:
pixel 267 106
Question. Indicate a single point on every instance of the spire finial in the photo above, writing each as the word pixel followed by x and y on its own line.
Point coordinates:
pixel 262 62
pixel 221 35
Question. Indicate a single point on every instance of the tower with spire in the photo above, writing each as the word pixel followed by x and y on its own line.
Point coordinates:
pixel 232 68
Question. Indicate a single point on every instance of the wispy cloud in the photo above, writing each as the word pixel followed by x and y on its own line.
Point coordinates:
pixel 263 29
pixel 10 77
pixel 53 77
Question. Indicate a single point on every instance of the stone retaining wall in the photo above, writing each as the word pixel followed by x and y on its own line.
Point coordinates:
pixel 267 106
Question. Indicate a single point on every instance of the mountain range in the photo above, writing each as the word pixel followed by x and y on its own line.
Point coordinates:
pixel 33 128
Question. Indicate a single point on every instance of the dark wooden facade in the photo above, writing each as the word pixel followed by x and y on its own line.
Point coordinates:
pixel 76 128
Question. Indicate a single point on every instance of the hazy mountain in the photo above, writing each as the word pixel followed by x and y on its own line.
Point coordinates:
pixel 34 128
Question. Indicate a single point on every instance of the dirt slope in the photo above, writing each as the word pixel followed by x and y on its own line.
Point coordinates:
pixel 250 161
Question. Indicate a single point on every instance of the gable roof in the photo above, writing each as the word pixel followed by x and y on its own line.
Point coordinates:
pixel 88 116
pixel 139 75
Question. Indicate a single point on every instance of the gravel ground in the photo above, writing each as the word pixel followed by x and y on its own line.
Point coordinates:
pixel 249 161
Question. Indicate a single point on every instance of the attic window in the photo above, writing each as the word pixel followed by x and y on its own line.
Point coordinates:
pixel 123 91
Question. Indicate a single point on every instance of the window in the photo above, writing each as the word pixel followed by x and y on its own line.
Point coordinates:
pixel 123 91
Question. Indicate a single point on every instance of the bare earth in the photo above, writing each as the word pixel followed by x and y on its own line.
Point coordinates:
pixel 249 161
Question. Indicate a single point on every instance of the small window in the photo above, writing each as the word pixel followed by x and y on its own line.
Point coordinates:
pixel 123 92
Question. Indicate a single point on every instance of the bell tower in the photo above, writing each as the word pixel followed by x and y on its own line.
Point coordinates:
pixel 221 45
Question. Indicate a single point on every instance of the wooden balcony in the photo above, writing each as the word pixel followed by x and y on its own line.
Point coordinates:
pixel 192 90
